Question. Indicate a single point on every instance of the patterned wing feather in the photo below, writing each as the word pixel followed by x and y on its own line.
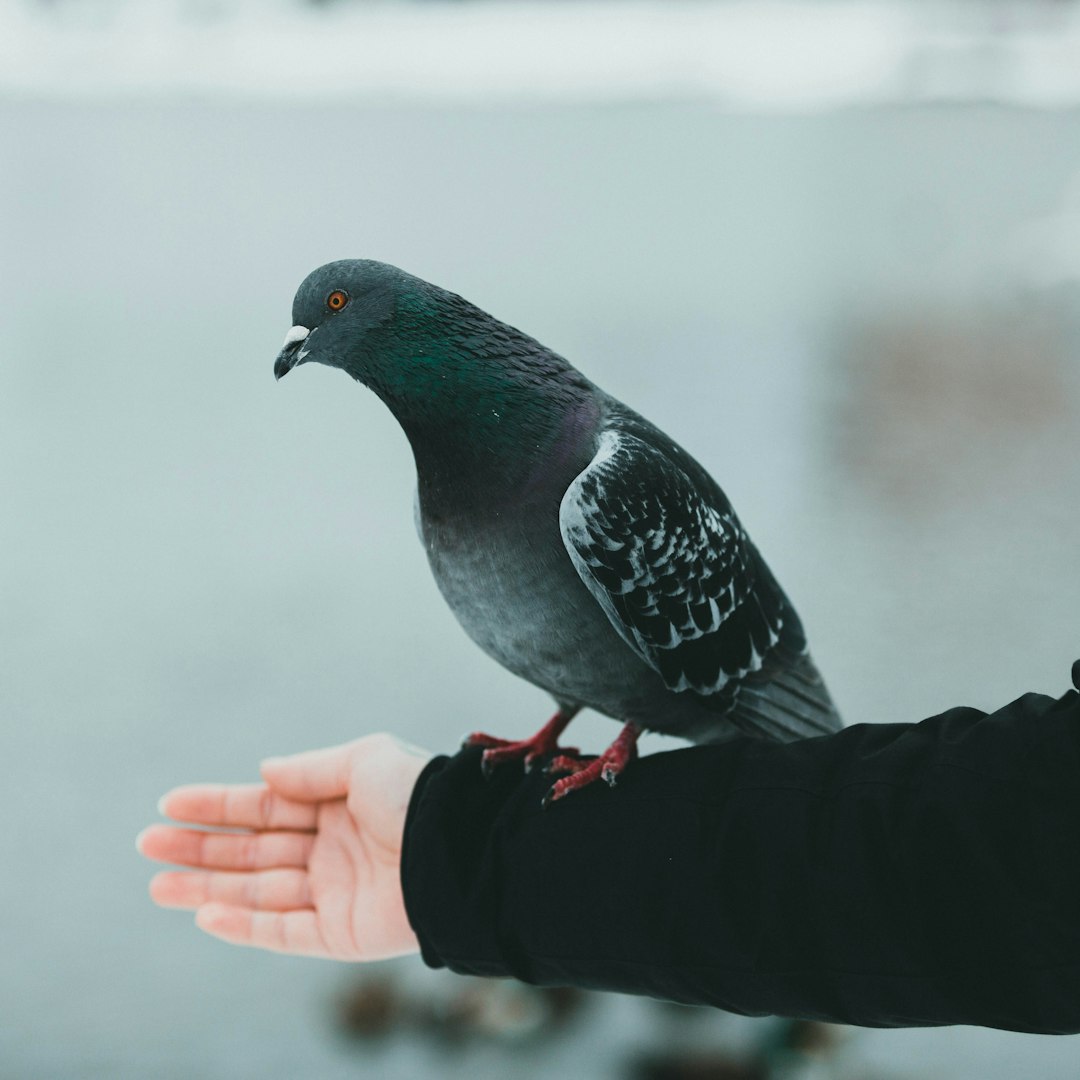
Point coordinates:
pixel 668 561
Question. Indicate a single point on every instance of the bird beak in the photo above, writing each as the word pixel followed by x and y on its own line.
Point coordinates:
pixel 291 352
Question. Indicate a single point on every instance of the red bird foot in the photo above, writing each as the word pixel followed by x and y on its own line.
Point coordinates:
pixel 545 741
pixel 606 767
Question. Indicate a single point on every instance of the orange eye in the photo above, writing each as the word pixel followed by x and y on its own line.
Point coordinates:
pixel 337 300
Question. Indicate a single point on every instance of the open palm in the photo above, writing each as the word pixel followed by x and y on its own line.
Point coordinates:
pixel 308 862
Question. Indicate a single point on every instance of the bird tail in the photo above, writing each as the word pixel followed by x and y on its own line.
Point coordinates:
pixel 790 702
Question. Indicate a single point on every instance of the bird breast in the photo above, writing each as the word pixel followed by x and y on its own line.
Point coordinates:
pixel 510 582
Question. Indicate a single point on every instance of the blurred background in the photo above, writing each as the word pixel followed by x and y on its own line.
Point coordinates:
pixel 834 248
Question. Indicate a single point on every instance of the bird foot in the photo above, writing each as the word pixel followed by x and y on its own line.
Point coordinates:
pixel 530 751
pixel 606 767
pixel 565 763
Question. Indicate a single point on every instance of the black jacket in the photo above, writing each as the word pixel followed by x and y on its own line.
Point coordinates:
pixel 887 875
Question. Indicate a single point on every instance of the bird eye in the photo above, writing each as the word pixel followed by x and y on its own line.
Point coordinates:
pixel 337 300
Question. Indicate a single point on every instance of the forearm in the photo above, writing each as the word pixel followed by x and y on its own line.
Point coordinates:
pixel 887 875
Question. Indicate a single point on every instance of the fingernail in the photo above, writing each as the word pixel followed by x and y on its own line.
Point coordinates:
pixel 139 839
pixel 161 805
pixel 270 762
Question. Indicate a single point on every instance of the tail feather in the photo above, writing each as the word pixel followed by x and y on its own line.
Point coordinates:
pixel 791 703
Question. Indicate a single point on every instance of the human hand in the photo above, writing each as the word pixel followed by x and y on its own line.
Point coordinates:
pixel 311 862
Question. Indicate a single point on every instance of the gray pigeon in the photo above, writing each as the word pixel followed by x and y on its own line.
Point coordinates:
pixel 575 542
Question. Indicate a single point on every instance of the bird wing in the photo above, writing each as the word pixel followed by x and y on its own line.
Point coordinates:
pixel 668 561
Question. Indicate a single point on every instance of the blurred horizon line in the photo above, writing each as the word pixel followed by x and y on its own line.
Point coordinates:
pixel 782 57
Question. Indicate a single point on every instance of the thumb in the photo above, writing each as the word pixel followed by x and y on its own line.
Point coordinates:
pixel 313 776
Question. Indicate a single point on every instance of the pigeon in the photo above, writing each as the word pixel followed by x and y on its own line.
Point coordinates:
pixel 575 542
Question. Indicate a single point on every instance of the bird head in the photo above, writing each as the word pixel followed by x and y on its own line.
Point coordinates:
pixel 338 311
pixel 446 369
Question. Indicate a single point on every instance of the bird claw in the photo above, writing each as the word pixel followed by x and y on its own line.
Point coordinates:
pixel 528 751
pixel 606 767
pixel 531 760
pixel 566 762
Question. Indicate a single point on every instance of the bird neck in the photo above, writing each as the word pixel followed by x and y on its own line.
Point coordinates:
pixel 496 451
pixel 490 413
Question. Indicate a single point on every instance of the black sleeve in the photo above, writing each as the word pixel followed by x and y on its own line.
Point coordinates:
pixel 887 875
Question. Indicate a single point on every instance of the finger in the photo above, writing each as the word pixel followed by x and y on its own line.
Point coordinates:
pixel 264 890
pixel 294 932
pixel 225 851
pixel 312 776
pixel 249 806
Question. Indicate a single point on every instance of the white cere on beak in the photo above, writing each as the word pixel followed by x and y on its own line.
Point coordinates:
pixel 297 333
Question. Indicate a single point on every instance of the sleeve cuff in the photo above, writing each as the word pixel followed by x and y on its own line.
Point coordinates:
pixel 410 862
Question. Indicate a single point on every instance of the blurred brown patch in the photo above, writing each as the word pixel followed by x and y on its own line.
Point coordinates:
pixel 456 1010
pixel 372 1009
pixel 934 405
